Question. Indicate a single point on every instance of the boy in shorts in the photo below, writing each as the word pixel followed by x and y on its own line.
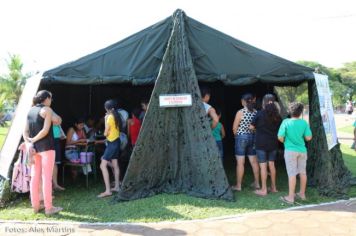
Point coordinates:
pixel 293 132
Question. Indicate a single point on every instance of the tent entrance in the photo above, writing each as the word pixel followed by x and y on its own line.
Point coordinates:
pixel 71 101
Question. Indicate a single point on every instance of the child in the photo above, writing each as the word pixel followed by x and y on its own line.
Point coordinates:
pixel 111 153
pixel 134 126
pixel 219 134
pixel 293 132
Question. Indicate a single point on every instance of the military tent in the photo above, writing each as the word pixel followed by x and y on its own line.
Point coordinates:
pixel 171 56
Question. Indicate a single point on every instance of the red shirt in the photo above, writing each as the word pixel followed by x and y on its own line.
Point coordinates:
pixel 134 130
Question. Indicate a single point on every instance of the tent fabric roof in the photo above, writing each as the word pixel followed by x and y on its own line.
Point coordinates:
pixel 216 57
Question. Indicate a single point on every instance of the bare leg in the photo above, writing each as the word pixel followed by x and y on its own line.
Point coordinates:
pixel 255 169
pixel 291 182
pixel 240 169
pixel 263 190
pixel 303 185
pixel 104 171
pixel 116 171
pixel 55 179
pixel 272 170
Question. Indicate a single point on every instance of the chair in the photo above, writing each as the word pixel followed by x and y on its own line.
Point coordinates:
pixel 90 147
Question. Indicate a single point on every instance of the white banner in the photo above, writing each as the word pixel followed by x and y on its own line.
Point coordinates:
pixel 326 109
pixel 175 100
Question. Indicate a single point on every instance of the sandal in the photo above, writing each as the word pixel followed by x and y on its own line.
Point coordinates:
pixel 53 210
pixel 285 200
pixel 104 194
pixel 297 195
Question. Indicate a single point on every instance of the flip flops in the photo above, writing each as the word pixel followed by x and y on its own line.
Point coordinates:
pixel 235 188
pixel 285 200
pixel 297 195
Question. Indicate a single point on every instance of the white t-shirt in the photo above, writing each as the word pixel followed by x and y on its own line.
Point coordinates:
pixel 206 107
pixel 124 116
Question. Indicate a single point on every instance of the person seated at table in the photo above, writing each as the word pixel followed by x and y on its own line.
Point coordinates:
pixel 89 128
pixel 75 138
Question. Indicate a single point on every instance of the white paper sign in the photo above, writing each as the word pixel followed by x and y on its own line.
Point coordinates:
pixel 326 109
pixel 175 100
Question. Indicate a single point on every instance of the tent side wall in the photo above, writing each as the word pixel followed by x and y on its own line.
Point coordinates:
pixel 326 169
pixel 14 135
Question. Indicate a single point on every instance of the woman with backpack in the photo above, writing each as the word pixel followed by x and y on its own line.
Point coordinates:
pixel 38 132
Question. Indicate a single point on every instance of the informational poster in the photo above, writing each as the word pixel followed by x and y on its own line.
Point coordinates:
pixel 326 109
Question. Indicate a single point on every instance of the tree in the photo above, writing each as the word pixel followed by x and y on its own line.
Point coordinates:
pixel 11 84
pixel 347 75
pixel 336 82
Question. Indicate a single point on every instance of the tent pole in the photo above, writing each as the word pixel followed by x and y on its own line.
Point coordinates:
pixel 90 95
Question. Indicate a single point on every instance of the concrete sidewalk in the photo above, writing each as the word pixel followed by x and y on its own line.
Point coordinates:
pixel 338 218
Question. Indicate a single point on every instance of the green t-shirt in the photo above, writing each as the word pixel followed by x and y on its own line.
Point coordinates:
pixel 56 131
pixel 217 132
pixel 294 131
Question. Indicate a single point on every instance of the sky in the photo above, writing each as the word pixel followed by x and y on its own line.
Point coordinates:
pixel 49 33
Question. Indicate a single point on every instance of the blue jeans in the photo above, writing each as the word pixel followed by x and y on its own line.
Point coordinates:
pixel 221 148
pixel 245 145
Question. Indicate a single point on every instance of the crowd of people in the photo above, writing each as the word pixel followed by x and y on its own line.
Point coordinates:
pixel 257 136
pixel 256 133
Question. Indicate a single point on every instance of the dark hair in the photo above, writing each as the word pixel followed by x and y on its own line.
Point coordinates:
pixel 268 104
pixel 136 112
pixel 296 109
pixel 205 91
pixel 110 106
pixel 249 99
pixel 145 100
pixel 41 96
pixel 78 120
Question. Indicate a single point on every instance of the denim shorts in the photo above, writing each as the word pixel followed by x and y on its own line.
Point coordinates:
pixel 245 145
pixel 264 156
pixel 112 150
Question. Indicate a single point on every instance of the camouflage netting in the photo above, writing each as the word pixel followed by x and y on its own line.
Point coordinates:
pixel 175 152
pixel 326 169
pixel 5 194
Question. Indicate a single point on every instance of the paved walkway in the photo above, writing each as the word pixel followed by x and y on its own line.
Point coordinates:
pixel 329 219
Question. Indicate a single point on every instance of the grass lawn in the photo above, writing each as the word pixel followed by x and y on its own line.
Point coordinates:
pixel 347 129
pixel 3 132
pixel 81 204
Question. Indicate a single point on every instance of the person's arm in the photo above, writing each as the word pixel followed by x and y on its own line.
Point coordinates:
pixel 107 127
pixel 236 123
pixel 307 133
pixel 69 137
pixel 46 113
pixel 281 133
pixel 56 119
pixel 214 117
pixel 222 131
pixel 26 133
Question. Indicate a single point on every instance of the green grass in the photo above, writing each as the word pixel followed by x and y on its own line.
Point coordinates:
pixel 347 129
pixel 3 132
pixel 81 204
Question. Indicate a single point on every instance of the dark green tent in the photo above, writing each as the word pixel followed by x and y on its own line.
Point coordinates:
pixel 180 43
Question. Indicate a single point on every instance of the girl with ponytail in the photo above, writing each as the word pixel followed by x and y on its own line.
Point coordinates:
pixel 266 124
pixel 111 153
